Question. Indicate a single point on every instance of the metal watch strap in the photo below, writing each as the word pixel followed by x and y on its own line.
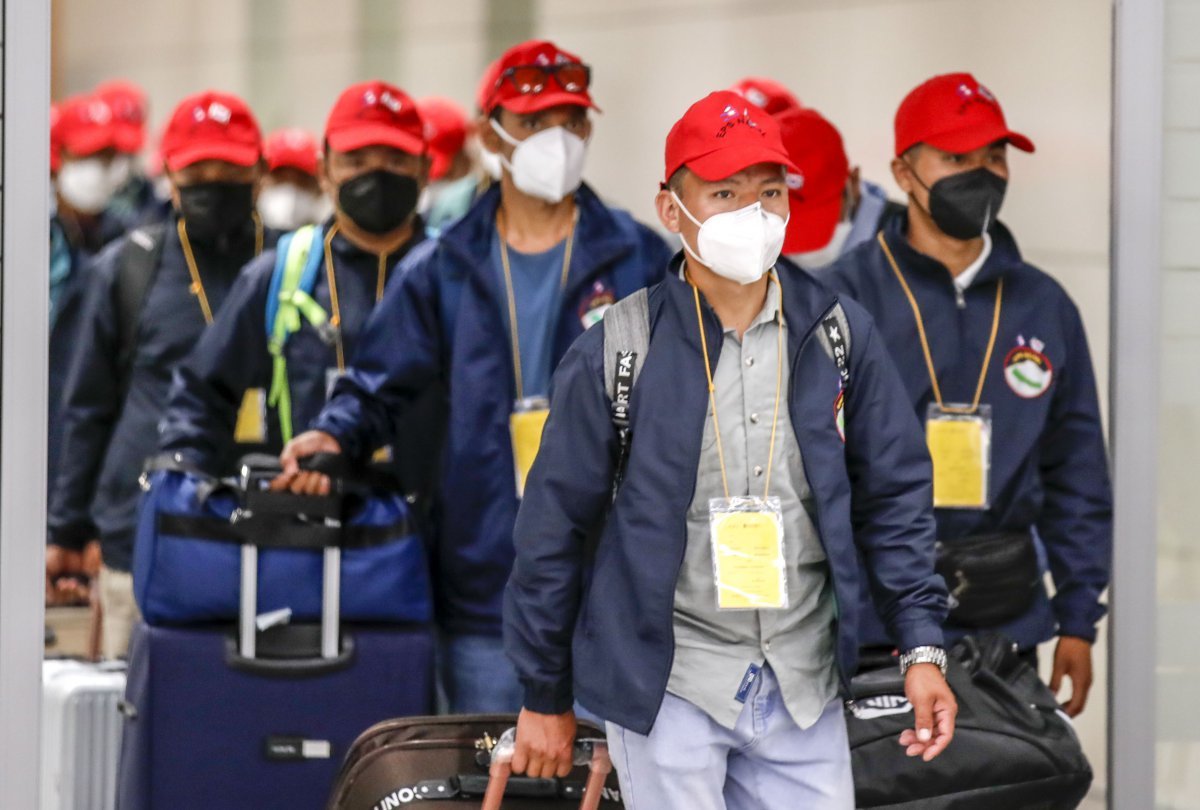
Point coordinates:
pixel 923 655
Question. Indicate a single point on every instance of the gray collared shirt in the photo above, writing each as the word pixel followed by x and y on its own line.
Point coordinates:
pixel 715 648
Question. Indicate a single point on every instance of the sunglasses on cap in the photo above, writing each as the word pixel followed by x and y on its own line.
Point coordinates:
pixel 529 80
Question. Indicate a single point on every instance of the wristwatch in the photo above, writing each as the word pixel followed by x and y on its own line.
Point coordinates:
pixel 923 655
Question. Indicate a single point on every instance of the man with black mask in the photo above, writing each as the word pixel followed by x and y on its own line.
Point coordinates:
pixel 374 168
pixel 149 297
pixel 996 362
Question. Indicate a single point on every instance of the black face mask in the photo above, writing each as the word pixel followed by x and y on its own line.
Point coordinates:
pixel 964 205
pixel 379 201
pixel 213 212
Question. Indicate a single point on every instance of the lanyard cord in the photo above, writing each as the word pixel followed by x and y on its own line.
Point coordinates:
pixel 197 288
pixel 514 334
pixel 912 301
pixel 712 397
pixel 335 319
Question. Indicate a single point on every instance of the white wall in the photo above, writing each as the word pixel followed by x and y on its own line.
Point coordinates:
pixel 1049 62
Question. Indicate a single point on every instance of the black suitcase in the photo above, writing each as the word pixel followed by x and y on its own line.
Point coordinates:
pixel 451 760
pixel 1013 747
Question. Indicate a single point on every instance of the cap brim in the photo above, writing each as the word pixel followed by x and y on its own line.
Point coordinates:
pixel 238 154
pixel 536 102
pixel 967 140
pixel 89 143
pixel 130 140
pixel 811 224
pixel 726 162
pixel 361 136
pixel 439 164
pixel 298 164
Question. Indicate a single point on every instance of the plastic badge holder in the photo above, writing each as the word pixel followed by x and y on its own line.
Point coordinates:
pixel 747 548
pixel 960 445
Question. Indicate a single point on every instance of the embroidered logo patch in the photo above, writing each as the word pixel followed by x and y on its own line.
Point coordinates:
pixel 595 305
pixel 1027 370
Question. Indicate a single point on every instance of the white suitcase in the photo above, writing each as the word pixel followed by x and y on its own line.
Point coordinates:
pixel 81 734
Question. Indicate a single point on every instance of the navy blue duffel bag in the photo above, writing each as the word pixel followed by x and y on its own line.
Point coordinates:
pixel 191 529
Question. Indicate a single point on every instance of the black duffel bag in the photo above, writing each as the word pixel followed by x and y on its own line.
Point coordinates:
pixel 1012 749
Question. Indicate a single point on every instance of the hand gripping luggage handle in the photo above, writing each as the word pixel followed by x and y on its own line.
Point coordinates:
pixel 599 767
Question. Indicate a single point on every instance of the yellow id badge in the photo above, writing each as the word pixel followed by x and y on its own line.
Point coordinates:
pixel 525 425
pixel 748 563
pixel 251 427
pixel 960 446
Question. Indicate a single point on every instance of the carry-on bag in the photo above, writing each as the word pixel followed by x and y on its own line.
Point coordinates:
pixel 1013 747
pixel 81 733
pixel 261 714
pixel 192 528
pixel 465 762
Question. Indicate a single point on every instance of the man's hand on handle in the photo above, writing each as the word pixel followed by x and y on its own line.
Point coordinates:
pixel 305 482
pixel 70 573
pixel 934 709
pixel 545 744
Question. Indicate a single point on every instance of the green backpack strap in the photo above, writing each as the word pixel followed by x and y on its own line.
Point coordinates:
pixel 290 298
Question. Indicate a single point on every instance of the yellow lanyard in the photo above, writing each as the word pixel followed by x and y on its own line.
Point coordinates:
pixel 712 397
pixel 514 334
pixel 197 288
pixel 987 360
pixel 335 319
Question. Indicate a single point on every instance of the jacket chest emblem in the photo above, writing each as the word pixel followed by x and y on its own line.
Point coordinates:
pixel 1027 370
pixel 597 302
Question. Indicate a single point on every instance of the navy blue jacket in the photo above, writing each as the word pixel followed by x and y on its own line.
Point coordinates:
pixel 232 355
pixel 589 609
pixel 1049 471
pixel 108 433
pixel 443 321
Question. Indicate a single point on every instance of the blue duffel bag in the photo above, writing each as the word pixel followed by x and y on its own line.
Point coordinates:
pixel 191 529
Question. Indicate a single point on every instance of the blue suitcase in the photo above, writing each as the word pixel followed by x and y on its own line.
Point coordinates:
pixel 260 715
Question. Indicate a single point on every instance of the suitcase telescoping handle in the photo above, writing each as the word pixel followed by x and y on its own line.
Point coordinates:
pixel 256 473
pixel 592 752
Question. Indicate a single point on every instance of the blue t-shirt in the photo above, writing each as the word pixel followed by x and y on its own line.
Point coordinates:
pixel 537 288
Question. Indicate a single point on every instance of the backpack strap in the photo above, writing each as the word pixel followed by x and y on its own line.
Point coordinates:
pixel 136 267
pixel 289 297
pixel 626 342
pixel 835 340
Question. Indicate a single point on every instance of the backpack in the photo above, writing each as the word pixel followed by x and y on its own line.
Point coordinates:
pixel 627 340
pixel 289 298
pixel 137 265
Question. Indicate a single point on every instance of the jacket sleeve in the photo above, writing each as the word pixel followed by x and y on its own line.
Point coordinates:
pixel 230 358
pixel 1076 519
pixel 92 402
pixel 892 492
pixel 566 498
pixel 398 357
pixel 657 255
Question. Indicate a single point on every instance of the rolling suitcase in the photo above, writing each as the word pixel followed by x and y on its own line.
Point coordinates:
pixel 81 734
pixel 463 762
pixel 261 715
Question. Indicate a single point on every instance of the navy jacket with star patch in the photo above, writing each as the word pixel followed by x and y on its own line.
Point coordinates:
pixel 590 605
pixel 443 321
pixel 1049 470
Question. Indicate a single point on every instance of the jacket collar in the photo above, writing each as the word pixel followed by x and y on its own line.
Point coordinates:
pixel 1004 258
pixel 599 238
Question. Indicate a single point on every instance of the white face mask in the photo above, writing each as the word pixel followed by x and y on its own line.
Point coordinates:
pixel 286 207
pixel 490 163
pixel 120 170
pixel 816 259
pixel 548 164
pixel 740 245
pixel 85 185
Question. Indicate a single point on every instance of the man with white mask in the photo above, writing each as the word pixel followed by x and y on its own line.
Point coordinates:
pixel 706 610
pixel 832 208
pixel 291 196
pixel 488 309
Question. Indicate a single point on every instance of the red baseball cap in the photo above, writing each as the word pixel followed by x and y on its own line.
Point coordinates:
pixel 816 189
pixel 534 53
pixel 445 132
pixel 211 126
pixel 375 113
pixel 767 93
pixel 954 113
pixel 55 145
pixel 128 104
pixel 292 148
pixel 487 83
pixel 85 126
pixel 722 134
